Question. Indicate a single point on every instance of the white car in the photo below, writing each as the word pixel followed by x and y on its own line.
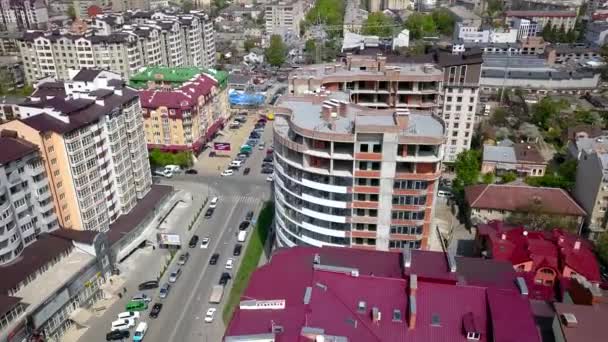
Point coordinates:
pixel 128 314
pixel 213 202
pixel 270 178
pixel 210 314
pixel 229 263
pixel 227 173
pixel 142 297
pixel 123 324
pixel 205 243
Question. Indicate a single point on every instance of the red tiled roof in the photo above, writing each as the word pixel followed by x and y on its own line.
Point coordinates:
pixel 554 249
pixel 522 197
pixel 335 296
pixel 183 98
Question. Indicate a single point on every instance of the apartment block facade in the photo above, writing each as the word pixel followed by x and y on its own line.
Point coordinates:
pixel 591 190
pixel 20 15
pixel 284 17
pixel 440 83
pixel 347 175
pixel 124 49
pixel 91 135
pixel 183 108
pixel 26 205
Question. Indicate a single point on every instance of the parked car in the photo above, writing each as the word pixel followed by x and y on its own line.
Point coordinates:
pixel 183 258
pixel 117 335
pixel 243 225
pixel 164 291
pixel 209 212
pixel 227 173
pixel 267 164
pixel 213 202
pixel 269 151
pixel 270 178
pixel 249 215
pixel 193 241
pixel 175 275
pixel 229 264
pixel 205 242
pixel 246 171
pixel 156 310
pixel 191 172
pixel 242 156
pixel 267 159
pixel 122 324
pixel 214 259
pixel 210 315
pixel 224 278
pixel 141 297
pixel 148 285
pixel 129 314
pixel 267 170
pixel 254 135
pixel 237 249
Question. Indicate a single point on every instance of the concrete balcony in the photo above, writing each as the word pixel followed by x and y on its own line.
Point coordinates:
pixel 34 169
pixel 45 207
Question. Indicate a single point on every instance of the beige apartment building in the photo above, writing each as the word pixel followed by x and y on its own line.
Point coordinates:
pixel 90 134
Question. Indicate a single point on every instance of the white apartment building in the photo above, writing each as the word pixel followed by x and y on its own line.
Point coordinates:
pixel 26 204
pixel 92 131
pixel 23 15
pixel 283 18
pixel 472 34
pixel 155 40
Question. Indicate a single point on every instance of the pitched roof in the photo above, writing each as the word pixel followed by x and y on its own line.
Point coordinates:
pixel 521 198
pixel 441 307
pixel 527 153
pixel 7 303
pixel 501 154
pixel 183 98
pixel 86 75
pixel 12 149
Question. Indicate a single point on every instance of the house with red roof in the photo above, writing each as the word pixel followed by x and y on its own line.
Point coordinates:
pixel 354 295
pixel 179 107
pixel 498 201
pixel 542 258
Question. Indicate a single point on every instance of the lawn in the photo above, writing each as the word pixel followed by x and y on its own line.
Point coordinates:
pixel 250 260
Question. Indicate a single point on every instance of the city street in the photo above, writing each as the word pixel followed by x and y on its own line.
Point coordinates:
pixel 182 315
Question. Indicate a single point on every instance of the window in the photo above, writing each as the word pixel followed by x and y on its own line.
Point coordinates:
pixel 407 215
pixel 407 230
pixel 56 173
pixel 53 161
pixel 51 149
pixel 363 148
pixel 458 108
pixel 459 99
pixel 410 185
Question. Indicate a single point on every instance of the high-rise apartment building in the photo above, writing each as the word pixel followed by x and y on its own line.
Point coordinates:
pixel 348 175
pixel 284 17
pixel 26 205
pixel 20 15
pixel 591 190
pixel 142 39
pixel 441 83
pixel 183 108
pixel 91 137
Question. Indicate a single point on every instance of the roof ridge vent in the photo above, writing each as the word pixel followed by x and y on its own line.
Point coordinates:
pixel 322 286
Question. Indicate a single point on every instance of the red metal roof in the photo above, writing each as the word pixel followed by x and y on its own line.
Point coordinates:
pixel 521 197
pixel 381 283
pixel 182 98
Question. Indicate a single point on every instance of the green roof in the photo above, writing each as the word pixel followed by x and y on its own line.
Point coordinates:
pixel 177 76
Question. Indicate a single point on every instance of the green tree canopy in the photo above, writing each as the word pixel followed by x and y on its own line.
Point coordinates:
pixel 467 168
pixel 249 44
pixel 420 25
pixel 276 51
pixel 508 177
pixel 329 12
pixel 494 7
pixel 71 12
pixel 187 6
pixel 444 20
pixel 159 158
pixel 378 24
pixel 546 110
pixel 601 247
pixel 488 178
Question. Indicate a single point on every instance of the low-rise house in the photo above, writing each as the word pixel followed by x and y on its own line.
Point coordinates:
pixel 543 258
pixel 574 133
pixel 524 159
pixel 498 201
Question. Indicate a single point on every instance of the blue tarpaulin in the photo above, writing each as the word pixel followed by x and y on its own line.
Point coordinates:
pixel 240 98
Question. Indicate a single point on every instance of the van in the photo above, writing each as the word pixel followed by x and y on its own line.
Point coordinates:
pixel 122 324
pixel 136 305
pixel 236 163
pixel 140 331
pixel 487 110
pixel 242 236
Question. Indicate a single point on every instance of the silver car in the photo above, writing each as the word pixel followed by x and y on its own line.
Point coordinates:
pixel 175 275
pixel 164 290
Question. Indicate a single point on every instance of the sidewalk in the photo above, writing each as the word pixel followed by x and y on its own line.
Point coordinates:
pixel 236 138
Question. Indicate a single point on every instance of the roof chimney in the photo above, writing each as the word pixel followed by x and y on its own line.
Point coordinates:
pixel 569 320
pixel 412 312
pixel 525 233
pixel 407 258
pixel 413 284
pixel 503 236
pixel 577 245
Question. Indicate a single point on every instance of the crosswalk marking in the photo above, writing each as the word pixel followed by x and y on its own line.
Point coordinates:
pixel 241 199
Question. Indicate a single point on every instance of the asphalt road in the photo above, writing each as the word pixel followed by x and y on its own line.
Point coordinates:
pixel 183 312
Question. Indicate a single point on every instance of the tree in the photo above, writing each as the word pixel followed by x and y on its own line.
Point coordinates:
pixel 420 25
pixel 535 217
pixel 329 12
pixel 530 132
pixel 71 12
pixel 508 177
pixel 488 178
pixel 494 7
pixel 546 110
pixel 249 44
pixel 276 51
pixel 503 133
pixel 467 167
pixel 378 24
pixel 588 117
pixel 547 32
pixel 601 247
pixel 444 20
pixel 187 6
pixel 499 117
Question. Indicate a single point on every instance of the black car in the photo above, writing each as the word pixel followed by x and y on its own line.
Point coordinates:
pixel 193 241
pixel 214 259
pixel 155 310
pixel 267 164
pixel 267 159
pixel 117 335
pixel 242 156
pixel 209 212
pixel 254 135
pixel 148 285
pixel 246 171
pixel 267 170
pixel 237 249
pixel 244 225
pixel 191 172
pixel 249 216
pixel 224 278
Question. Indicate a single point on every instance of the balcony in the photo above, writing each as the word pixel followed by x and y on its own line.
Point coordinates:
pixel 34 169
pixel 368 156
pixel 367 173
pixel 45 206
pixel 364 205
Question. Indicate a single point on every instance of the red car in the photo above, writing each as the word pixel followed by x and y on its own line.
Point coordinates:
pixel 270 150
